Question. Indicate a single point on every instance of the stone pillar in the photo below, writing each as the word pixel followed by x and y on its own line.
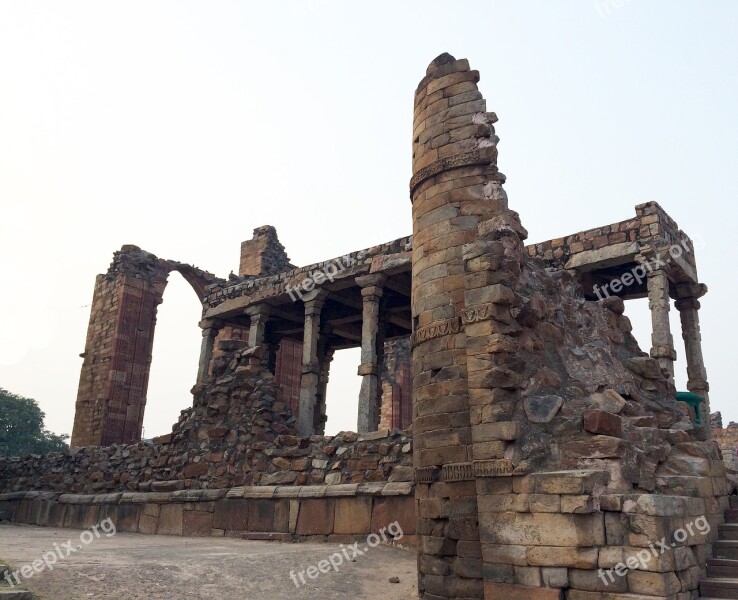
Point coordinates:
pixel 321 416
pixel 210 329
pixel 310 378
pixel 370 396
pixel 662 348
pixel 259 314
pixel 454 156
pixel 688 306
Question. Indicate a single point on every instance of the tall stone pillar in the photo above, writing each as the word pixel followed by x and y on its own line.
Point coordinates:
pixel 310 378
pixel 662 342
pixel 452 189
pixel 117 358
pixel 688 306
pixel 210 329
pixel 370 396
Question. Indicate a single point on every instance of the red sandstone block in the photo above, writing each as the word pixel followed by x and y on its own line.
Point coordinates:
pixel 232 514
pixel 388 510
pixel 316 517
pixel 197 523
pixel 196 470
pixel 170 519
pixel 353 515
pixel 261 515
pixel 602 422
pixel 508 591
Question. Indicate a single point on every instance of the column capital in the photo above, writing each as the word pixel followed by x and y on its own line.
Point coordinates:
pixel 698 384
pixel 258 310
pixel 690 290
pixel 206 324
pixel 368 368
pixel 665 351
pixel 372 280
pixel 655 261
pixel 690 303
pixel 314 301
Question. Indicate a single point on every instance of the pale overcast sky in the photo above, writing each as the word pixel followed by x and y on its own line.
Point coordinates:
pixel 181 126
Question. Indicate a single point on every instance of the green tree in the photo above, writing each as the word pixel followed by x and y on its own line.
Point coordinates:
pixel 22 427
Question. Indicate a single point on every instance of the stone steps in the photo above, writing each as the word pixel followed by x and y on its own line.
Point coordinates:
pixel 719 588
pixel 726 549
pixel 722 570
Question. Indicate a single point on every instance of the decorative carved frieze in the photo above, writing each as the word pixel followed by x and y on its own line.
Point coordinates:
pixel 426 474
pixel 457 472
pixel 437 329
pixel 498 467
pixel 473 314
pixel 481 156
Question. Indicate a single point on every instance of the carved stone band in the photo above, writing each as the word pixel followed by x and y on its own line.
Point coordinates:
pixel 473 314
pixel 481 156
pixel 437 329
pixel 426 474
pixel 498 467
pixel 457 472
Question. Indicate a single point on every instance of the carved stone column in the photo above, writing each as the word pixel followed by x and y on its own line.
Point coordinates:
pixel 310 378
pixel 662 342
pixel 259 314
pixel 210 329
pixel 688 306
pixel 371 338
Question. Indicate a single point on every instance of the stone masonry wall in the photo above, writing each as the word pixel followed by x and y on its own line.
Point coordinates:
pixel 263 254
pixel 396 376
pixel 548 446
pixel 236 433
pixel 331 513
pixel 651 225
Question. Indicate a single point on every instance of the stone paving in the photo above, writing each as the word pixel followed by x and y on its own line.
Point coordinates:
pixel 133 567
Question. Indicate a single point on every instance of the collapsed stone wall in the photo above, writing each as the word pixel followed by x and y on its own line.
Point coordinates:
pixel 236 433
pixel 547 445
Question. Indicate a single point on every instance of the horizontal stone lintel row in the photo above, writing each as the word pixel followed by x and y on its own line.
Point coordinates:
pixel 260 492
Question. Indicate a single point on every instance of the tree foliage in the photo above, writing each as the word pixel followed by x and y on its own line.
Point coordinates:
pixel 22 427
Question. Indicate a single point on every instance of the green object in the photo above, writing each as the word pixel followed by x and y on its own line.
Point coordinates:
pixel 694 401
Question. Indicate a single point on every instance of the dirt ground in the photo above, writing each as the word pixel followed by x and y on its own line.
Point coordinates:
pixel 128 566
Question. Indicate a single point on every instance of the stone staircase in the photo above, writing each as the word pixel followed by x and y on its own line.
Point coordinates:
pixel 722 571
pixel 11 593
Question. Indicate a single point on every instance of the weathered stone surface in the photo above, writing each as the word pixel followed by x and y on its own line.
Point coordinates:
pixel 541 409
pixel 541 529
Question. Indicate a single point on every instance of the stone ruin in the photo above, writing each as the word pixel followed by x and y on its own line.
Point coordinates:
pixel 507 417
